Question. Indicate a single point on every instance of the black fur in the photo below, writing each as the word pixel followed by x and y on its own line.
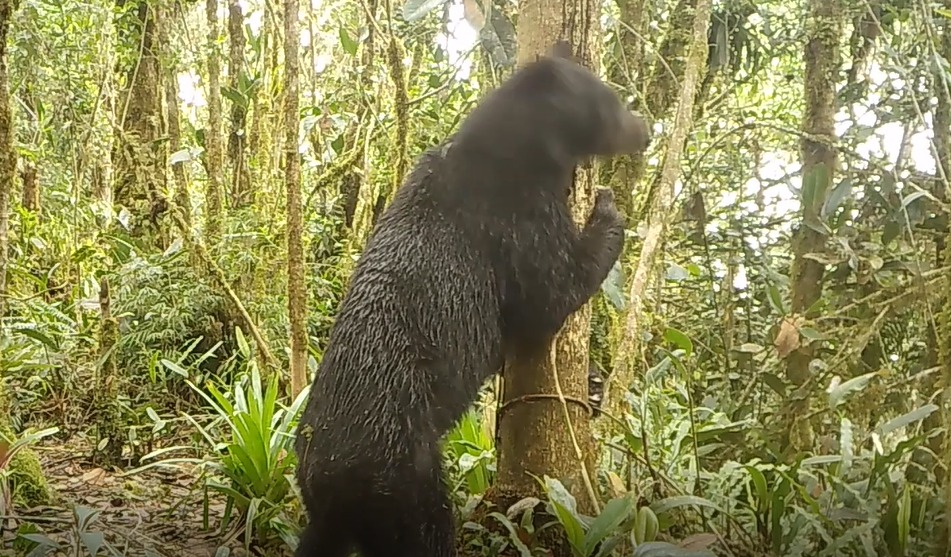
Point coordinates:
pixel 477 255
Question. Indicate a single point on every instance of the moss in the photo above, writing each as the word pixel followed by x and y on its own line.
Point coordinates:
pixel 27 482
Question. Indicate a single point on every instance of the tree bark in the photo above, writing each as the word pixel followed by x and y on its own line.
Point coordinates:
pixel 213 141
pixel 106 402
pixel 141 155
pixel 7 154
pixel 535 436
pixel 237 138
pixel 296 294
pixel 30 194
pixel 822 62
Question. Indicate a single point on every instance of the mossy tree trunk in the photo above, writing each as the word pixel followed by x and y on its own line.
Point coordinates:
pixel 822 66
pixel 102 172
pixel 214 164
pixel 30 484
pixel 108 450
pixel 624 173
pixel 7 154
pixel 296 294
pixel 237 137
pixel 140 154
pixel 535 437
pixel 263 140
pixel 30 194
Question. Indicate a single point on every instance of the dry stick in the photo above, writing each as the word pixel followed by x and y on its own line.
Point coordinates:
pixel 199 248
pixel 553 360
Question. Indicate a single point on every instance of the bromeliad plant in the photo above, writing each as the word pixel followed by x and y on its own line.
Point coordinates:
pixel 258 460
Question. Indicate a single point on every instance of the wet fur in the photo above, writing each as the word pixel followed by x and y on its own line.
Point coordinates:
pixel 476 256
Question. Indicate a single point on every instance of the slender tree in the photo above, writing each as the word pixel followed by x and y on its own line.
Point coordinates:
pixel 237 137
pixel 296 295
pixel 213 143
pixel 822 62
pixel 7 154
pixel 942 143
pixel 694 50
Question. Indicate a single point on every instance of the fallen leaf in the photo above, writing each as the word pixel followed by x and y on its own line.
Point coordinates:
pixel 95 476
pixel 787 339
pixel 699 541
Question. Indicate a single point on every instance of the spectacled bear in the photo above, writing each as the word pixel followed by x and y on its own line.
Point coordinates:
pixel 477 256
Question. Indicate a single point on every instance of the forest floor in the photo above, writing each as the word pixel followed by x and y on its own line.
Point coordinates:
pixel 156 512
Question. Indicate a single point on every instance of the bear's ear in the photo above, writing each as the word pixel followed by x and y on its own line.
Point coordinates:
pixel 562 49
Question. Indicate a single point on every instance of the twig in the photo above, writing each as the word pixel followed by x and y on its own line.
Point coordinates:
pixel 553 360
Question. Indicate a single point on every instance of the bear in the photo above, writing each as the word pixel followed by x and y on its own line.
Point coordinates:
pixel 476 258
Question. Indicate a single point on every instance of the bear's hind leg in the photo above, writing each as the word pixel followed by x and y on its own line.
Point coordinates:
pixel 324 538
pixel 418 523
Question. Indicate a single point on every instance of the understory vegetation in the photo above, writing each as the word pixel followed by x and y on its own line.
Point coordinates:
pixel 766 370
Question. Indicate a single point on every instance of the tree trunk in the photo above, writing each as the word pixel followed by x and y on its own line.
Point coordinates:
pixel 106 403
pixel 213 143
pixel 261 136
pixel 534 435
pixel 141 155
pixel 7 154
pixel 240 177
pixel 296 294
pixel 822 61
pixel 629 350
pixel 30 194
pixel 942 141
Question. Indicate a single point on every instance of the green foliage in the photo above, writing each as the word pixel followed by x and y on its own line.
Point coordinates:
pixel 471 453
pixel 702 439
pixel 162 303
pixel 21 478
pixel 258 461
pixel 88 541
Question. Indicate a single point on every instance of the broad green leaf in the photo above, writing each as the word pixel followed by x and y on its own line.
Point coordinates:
pixel 242 343
pixel 566 512
pixel 911 198
pixel 676 273
pixel 667 549
pixel 349 45
pixel 679 339
pixel 839 193
pixel 776 299
pixel 613 287
pixel 523 550
pixel 172 366
pixel 759 486
pixel 670 503
pixel 36 335
pixel 614 513
pixel 180 156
